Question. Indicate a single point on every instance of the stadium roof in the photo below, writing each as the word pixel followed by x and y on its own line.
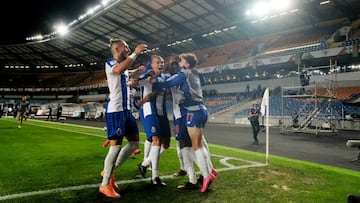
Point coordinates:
pixel 169 27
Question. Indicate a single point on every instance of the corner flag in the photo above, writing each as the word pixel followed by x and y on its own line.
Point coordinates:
pixel 264 102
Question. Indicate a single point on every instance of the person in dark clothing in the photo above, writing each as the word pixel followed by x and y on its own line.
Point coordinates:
pixel 49 115
pixel 295 120
pixel 1 109
pixel 59 112
pixel 253 116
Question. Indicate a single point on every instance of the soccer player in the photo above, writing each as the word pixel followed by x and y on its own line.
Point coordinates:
pixel 162 112
pixel 183 143
pixel 23 107
pixel 120 121
pixel 152 116
pixel 190 81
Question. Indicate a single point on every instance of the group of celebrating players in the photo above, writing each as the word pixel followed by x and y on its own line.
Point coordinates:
pixel 190 116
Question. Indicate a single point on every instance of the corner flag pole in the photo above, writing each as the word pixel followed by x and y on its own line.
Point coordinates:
pixel 267 128
pixel 265 111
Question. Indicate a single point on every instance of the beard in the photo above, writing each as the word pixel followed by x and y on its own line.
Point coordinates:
pixel 123 57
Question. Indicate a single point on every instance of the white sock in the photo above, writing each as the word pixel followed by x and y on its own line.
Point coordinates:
pixel 180 155
pixel 207 152
pixel 202 162
pixel 147 147
pixel 162 150
pixel 154 157
pixel 188 158
pixel 125 152
pixel 109 163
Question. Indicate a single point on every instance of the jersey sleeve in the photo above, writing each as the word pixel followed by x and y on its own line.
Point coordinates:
pixel 170 82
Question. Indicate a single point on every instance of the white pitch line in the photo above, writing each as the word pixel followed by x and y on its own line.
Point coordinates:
pixel 67 124
pixel 66 130
pixel 89 186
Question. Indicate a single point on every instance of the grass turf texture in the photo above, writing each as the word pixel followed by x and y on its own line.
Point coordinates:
pixel 65 161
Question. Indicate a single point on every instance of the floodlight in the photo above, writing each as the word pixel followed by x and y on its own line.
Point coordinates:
pixel 61 29
pixel 261 9
pixel 105 2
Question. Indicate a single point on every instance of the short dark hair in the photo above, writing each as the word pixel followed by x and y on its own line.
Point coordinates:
pixel 174 65
pixel 190 58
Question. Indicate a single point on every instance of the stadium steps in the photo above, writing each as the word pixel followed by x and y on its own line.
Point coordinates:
pixel 230 111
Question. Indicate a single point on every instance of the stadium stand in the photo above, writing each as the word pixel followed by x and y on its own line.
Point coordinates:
pixel 344 93
pixel 97 77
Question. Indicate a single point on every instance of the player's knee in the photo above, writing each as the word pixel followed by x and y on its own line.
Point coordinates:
pixel 156 141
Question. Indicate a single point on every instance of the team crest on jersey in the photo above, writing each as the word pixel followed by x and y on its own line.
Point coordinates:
pixel 153 129
pixel 119 131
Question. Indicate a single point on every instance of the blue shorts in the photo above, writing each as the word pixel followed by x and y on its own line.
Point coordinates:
pixel 180 129
pixel 150 125
pixel 119 124
pixel 197 118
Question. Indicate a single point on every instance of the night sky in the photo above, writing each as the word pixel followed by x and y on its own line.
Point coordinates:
pixel 21 19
